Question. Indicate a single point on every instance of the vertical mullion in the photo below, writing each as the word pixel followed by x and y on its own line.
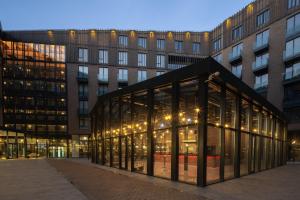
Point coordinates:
pixel 222 122
pixel 259 152
pixel 237 137
pixel 202 132
pixel 273 141
pixel 131 135
pixel 150 144
pixel 250 142
pixel 175 139
pixel 120 127
pixel 110 138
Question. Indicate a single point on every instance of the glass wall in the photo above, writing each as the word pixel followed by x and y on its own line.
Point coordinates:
pixel 162 116
pixel 158 131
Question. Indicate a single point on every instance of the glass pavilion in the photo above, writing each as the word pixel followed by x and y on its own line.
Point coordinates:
pixel 199 124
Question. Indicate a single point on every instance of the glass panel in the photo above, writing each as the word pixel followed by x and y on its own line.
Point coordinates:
pixel 230 110
pixel 162 153
pixel 245 108
pixel 214 108
pixel 140 153
pixel 229 154
pixel 107 152
pixel 244 153
pixel 188 154
pixel 213 154
pixel 115 152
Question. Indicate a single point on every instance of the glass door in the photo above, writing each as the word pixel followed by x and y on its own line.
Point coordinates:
pixel 125 152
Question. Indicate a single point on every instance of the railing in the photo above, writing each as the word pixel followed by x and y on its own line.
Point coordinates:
pixel 102 79
pixel 235 56
pixel 292 31
pixel 260 45
pixel 260 65
pixel 287 55
pixel 260 86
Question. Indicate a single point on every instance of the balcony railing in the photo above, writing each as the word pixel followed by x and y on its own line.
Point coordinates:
pixel 260 86
pixel 83 111
pixel 82 77
pixel 102 79
pixel 292 32
pixel 235 56
pixel 122 80
pixel 260 46
pixel 290 55
pixel 290 77
pixel 257 66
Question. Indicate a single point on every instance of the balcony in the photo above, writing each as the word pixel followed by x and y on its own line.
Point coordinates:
pixel 83 96
pixel 290 56
pixel 258 67
pixel 261 88
pixel 260 47
pixel 102 80
pixel 289 103
pixel 81 77
pixel 292 33
pixel 290 78
pixel 83 112
pixel 235 57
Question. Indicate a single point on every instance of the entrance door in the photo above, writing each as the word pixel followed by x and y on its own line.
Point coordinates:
pixel 125 152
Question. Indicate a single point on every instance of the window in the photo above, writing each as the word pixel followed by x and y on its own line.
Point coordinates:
pixel 160 44
pixel 142 75
pixel 82 55
pixel 83 107
pixel 237 70
pixel 292 47
pixel 123 41
pixel 217 44
pixel 103 74
pixel 293 24
pixel 102 89
pixel 142 42
pixel 237 33
pixel 142 59
pixel 261 60
pixel 83 71
pixel 178 46
pixel 263 18
pixel 261 81
pixel 160 61
pixel 83 90
pixel 83 123
pixel 293 3
pixel 292 71
pixel 158 73
pixel 123 58
pixel 218 58
pixel 262 38
pixel 237 50
pixel 123 75
pixel 196 47
pixel 103 56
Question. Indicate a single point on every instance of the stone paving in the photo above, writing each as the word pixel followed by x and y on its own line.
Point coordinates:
pixel 56 179
pixel 34 179
pixel 99 182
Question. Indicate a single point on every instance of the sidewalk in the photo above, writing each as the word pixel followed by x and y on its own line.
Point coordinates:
pixel 34 180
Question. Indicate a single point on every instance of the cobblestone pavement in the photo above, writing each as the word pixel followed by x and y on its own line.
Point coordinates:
pixel 99 182
pixel 34 180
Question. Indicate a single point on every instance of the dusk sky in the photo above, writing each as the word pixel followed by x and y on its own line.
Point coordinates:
pixel 188 15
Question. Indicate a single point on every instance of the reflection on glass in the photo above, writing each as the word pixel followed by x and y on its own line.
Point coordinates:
pixel 162 153
pixel 244 153
pixel 107 152
pixel 140 153
pixel 115 152
pixel 230 110
pixel 213 154
pixel 188 154
pixel 214 108
pixel 229 154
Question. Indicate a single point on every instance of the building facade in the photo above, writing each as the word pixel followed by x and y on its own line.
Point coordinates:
pixel 259 44
pixel 187 127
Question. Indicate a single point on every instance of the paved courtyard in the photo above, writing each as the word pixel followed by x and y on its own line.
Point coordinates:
pixel 79 179
pixel 34 179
